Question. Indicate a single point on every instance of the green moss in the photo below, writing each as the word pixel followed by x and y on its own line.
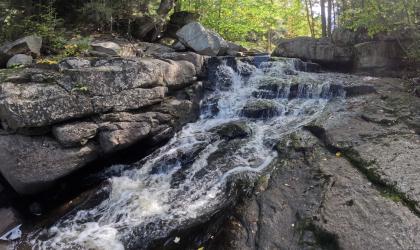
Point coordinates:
pixel 5 73
pixel 81 88
pixel 390 194
pixel 386 190
pixel 262 182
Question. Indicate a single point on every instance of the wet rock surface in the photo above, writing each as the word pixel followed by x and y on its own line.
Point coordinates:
pixel 346 181
pixel 336 169
pixel 233 130
pixel 260 109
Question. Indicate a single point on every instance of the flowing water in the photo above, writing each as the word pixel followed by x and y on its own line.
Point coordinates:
pixel 187 178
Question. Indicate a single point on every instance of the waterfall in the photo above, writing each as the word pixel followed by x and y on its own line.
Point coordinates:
pixel 187 178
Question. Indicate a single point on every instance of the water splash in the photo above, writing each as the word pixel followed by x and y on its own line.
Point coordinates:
pixel 186 179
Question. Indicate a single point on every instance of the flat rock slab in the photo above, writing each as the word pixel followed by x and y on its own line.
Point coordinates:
pixel 109 85
pixel 359 215
pixel 313 198
pixel 377 135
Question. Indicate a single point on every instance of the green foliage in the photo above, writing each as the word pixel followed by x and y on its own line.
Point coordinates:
pixel 252 22
pixel 387 17
pixel 102 13
pixel 76 46
pixel 46 24
pixel 81 88
pixel 16 66
pixel 43 22
pixel 10 25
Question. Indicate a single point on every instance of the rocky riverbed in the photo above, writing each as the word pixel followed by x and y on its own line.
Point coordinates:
pixel 267 156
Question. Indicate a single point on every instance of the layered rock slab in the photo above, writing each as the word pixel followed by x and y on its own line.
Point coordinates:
pixel 313 199
pixel 61 121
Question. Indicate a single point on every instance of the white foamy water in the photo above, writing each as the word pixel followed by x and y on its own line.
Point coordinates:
pixel 177 183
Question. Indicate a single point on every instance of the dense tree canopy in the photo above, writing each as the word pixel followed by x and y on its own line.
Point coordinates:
pixel 255 23
pixel 252 21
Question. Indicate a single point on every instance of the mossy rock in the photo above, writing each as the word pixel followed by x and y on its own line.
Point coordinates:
pixel 233 130
pixel 261 109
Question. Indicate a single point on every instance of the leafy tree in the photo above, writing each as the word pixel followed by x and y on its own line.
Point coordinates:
pixel 252 22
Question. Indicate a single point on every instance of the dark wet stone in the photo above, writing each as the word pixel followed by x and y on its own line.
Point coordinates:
pixel 233 130
pixel 358 90
pixel 260 109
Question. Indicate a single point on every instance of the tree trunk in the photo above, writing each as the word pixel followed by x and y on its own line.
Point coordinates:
pixel 329 18
pixel 323 21
pixel 308 17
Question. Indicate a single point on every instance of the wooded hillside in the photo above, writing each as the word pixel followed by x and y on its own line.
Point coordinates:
pixel 253 23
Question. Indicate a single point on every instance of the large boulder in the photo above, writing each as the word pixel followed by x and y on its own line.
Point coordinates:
pixel 110 85
pixel 196 59
pixel 202 40
pixel 322 51
pixel 31 164
pixel 26 45
pixel 39 105
pixel 378 57
pixel 19 60
pixel 57 121
pixel 178 20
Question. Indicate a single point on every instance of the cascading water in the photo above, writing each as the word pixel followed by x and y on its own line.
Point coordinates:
pixel 187 178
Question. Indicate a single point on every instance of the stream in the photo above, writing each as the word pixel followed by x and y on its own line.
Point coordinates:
pixel 190 178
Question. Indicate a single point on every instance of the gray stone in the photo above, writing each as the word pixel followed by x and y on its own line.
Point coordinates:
pixel 181 111
pixel 31 164
pixel 312 197
pixel 320 51
pixel 233 130
pixel 37 105
pixel 153 49
pixel 194 58
pixel 180 19
pixel 73 63
pixel 29 44
pixel 378 57
pixel 120 135
pixel 128 99
pixel 178 74
pixel 105 48
pixel 234 49
pixel 75 134
pixel 19 60
pixel 178 46
pixel 110 85
pixel 201 40
pixel 260 109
